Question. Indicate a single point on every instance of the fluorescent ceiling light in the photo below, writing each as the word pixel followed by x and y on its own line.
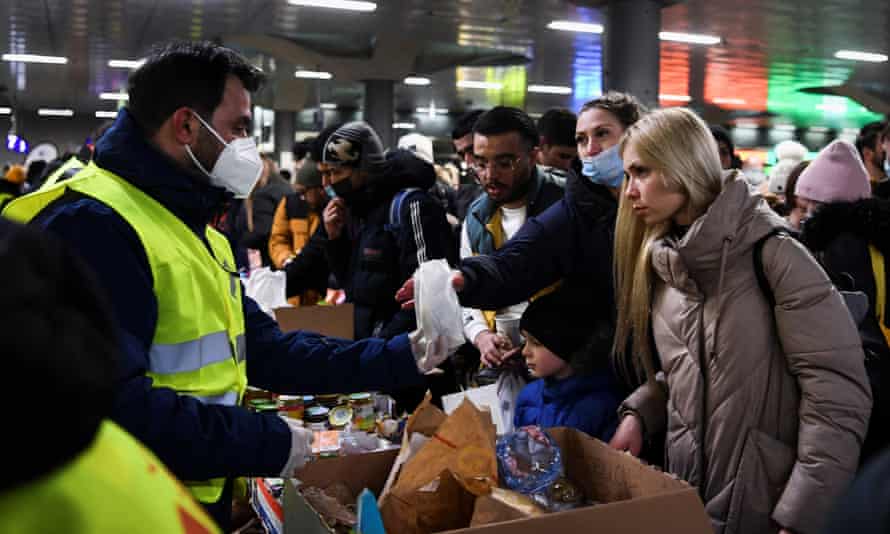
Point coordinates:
pixel 730 101
pixel 50 112
pixel 692 38
pixel 114 96
pixel 350 5
pixel 470 84
pixel 550 89
pixel 106 114
pixel 313 75
pixel 328 105
pixel 570 26
pixel 746 125
pixel 416 80
pixel 535 115
pixel 5 111
pixel 404 125
pixel 860 56
pixel 675 98
pixel 785 127
pixel 126 63
pixel 440 111
pixel 818 129
pixel 31 58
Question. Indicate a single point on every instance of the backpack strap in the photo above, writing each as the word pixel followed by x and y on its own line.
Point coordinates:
pixel 758 265
pixel 394 222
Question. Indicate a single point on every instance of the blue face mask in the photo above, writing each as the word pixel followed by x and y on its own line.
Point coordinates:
pixel 606 168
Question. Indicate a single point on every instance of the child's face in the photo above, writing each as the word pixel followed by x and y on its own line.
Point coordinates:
pixel 541 362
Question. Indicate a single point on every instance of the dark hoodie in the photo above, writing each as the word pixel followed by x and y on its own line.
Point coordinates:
pixel 371 260
pixel 839 235
pixel 198 441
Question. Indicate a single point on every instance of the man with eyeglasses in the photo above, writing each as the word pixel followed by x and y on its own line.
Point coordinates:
pixel 505 152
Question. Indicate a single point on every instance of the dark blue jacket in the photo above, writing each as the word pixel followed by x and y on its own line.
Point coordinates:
pixel 372 260
pixel 194 440
pixel 586 402
pixel 570 241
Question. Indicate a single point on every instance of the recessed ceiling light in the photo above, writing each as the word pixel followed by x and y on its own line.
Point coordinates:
pixel 106 114
pixel 550 89
pixel 31 58
pixel 50 112
pixel 349 5
pixel 126 63
pixel 785 127
pixel 571 26
pixel 746 125
pixel 440 111
pixel 730 101
pixel 861 56
pixel 313 75
pixel 675 98
pixel 404 125
pixel 328 105
pixel 470 84
pixel 114 96
pixel 416 80
pixel 691 38
pixel 5 111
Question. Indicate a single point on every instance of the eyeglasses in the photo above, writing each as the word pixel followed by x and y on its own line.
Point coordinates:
pixel 503 164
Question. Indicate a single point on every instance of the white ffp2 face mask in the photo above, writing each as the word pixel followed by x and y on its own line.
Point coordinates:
pixel 238 166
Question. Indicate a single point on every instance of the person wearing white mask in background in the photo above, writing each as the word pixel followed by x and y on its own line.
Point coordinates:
pixel 139 215
pixel 572 240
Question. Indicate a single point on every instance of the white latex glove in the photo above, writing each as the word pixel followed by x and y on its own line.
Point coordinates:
pixel 427 353
pixel 300 447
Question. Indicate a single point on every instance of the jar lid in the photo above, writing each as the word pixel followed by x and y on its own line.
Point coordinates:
pixel 316 414
pixel 286 398
pixel 360 397
pixel 340 415
pixel 308 399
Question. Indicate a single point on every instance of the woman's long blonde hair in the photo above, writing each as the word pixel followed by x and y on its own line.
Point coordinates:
pixel 678 144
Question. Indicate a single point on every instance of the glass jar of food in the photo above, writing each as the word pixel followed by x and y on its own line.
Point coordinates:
pixel 291 406
pixel 362 411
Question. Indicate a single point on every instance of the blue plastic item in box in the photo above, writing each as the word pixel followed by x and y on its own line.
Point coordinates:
pixel 529 461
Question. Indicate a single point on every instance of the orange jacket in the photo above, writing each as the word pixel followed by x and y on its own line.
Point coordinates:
pixel 292 225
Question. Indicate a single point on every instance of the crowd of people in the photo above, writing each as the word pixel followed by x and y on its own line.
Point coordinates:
pixel 735 334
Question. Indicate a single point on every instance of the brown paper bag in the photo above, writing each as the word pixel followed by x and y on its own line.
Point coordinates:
pixel 436 489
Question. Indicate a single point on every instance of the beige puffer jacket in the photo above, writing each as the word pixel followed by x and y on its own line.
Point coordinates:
pixel 765 411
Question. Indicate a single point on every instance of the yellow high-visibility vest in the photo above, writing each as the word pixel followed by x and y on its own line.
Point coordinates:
pixel 115 485
pixel 198 347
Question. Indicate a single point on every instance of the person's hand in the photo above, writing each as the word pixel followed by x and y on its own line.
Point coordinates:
pixel 629 436
pixel 300 447
pixel 334 218
pixel 405 294
pixel 493 348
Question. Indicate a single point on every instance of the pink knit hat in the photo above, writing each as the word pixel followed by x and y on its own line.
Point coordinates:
pixel 836 175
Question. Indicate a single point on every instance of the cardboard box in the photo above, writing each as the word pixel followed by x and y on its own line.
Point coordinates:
pixel 637 498
pixel 334 321
pixel 357 472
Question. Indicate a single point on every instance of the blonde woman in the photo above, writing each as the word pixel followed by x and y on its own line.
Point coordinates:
pixel 765 410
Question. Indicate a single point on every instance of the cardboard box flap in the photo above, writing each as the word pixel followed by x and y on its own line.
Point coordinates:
pixel 358 471
pixel 608 475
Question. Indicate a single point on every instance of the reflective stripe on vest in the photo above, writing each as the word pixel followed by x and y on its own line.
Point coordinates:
pixel 198 348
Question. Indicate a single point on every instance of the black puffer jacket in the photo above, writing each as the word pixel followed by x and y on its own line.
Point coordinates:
pixel 839 235
pixel 371 260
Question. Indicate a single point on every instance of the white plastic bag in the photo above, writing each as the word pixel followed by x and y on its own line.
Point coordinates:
pixel 436 306
pixel 267 288
pixel 509 384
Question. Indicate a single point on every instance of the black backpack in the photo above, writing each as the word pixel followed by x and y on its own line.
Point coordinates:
pixel 877 353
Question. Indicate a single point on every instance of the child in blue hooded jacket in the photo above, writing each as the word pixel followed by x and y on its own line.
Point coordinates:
pixel 568 354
